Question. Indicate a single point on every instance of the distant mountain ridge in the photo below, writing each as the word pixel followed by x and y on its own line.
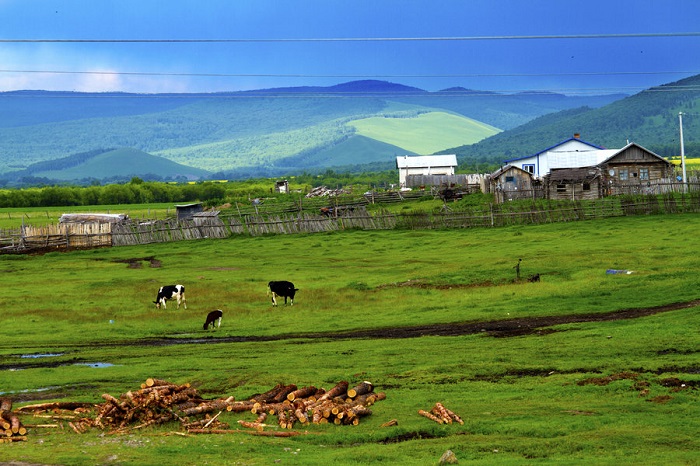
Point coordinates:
pixel 265 132
pixel 649 118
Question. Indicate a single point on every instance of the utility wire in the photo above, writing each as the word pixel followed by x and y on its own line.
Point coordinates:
pixel 365 39
pixel 294 75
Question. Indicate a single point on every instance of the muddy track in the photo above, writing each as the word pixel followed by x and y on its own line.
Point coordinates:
pixel 496 328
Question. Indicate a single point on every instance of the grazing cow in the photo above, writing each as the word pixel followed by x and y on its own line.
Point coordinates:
pixel 170 292
pixel 283 289
pixel 213 319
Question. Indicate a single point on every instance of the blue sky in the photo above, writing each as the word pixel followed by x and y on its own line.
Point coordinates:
pixel 581 47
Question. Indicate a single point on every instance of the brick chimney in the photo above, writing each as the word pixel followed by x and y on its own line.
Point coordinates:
pixel 577 135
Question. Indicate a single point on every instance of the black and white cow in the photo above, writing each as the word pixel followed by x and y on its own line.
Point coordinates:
pixel 170 292
pixel 213 319
pixel 283 289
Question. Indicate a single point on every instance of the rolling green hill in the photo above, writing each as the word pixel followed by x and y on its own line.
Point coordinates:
pixel 649 118
pixel 265 132
pixel 122 163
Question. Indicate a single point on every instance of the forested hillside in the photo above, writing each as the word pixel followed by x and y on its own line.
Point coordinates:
pixel 257 133
pixel 649 118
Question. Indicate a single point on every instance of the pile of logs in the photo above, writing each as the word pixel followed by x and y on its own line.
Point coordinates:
pixel 11 429
pixel 340 405
pixel 323 191
pixel 159 401
pixel 441 415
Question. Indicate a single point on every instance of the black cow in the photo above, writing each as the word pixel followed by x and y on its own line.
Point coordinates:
pixel 170 292
pixel 213 319
pixel 283 289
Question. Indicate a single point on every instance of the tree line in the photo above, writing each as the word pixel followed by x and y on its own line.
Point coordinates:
pixel 210 193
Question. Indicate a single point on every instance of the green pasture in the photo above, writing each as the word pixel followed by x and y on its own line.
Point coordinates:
pixel 15 217
pixel 76 325
pixel 426 133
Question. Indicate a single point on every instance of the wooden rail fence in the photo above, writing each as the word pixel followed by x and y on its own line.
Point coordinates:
pixel 69 236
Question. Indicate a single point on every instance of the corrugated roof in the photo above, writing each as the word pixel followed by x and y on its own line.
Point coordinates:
pixel 553 147
pixel 426 161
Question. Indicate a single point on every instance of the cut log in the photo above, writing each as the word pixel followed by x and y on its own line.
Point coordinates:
pixel 269 395
pixel 282 395
pixel 455 417
pixel 150 382
pixel 361 389
pixel 5 404
pixel 301 393
pixel 16 438
pixel 340 389
pixel 440 411
pixel 430 416
pixel 69 406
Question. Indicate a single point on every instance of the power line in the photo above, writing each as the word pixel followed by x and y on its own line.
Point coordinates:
pixel 365 39
pixel 299 75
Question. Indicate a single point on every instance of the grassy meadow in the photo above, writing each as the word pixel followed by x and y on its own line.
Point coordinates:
pixel 427 133
pixel 78 324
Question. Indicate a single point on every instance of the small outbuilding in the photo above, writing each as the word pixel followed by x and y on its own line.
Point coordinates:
pixel 186 211
pixel 282 187
pixel 425 165
pixel 574 184
pixel 510 182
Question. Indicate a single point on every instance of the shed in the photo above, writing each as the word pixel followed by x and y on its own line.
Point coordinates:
pixel 425 165
pixel 510 182
pixel 186 211
pixel 282 186
pixel 575 183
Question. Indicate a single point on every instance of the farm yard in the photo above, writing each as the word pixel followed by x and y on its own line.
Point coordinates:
pixel 583 366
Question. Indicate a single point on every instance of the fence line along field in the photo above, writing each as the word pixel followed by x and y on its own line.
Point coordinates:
pixel 582 366
pixel 213 224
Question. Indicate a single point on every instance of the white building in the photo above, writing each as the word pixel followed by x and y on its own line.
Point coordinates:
pixel 425 165
pixel 572 153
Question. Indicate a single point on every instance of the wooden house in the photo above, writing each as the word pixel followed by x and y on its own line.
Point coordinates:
pixel 571 153
pixel 574 184
pixel 635 165
pixel 510 182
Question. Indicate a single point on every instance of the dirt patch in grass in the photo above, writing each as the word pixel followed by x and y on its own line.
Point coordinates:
pixel 137 262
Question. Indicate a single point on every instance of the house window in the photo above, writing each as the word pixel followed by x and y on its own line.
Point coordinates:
pixel 586 186
pixel 510 179
pixel 644 174
pixel 561 188
pixel 530 168
pixel 623 174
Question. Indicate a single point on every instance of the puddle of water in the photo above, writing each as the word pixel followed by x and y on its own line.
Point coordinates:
pixel 98 365
pixel 41 355
pixel 28 390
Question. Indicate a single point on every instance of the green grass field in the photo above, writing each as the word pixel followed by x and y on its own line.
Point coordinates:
pixel 570 393
pixel 426 133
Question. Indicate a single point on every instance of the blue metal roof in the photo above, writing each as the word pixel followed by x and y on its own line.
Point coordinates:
pixel 552 147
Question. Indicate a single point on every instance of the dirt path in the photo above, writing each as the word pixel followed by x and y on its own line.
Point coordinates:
pixel 496 328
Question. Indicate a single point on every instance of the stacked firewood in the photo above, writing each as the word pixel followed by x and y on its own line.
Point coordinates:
pixel 157 402
pixel 11 429
pixel 441 415
pixel 340 405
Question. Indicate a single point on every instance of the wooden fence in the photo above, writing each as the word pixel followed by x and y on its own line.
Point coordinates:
pixel 63 236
